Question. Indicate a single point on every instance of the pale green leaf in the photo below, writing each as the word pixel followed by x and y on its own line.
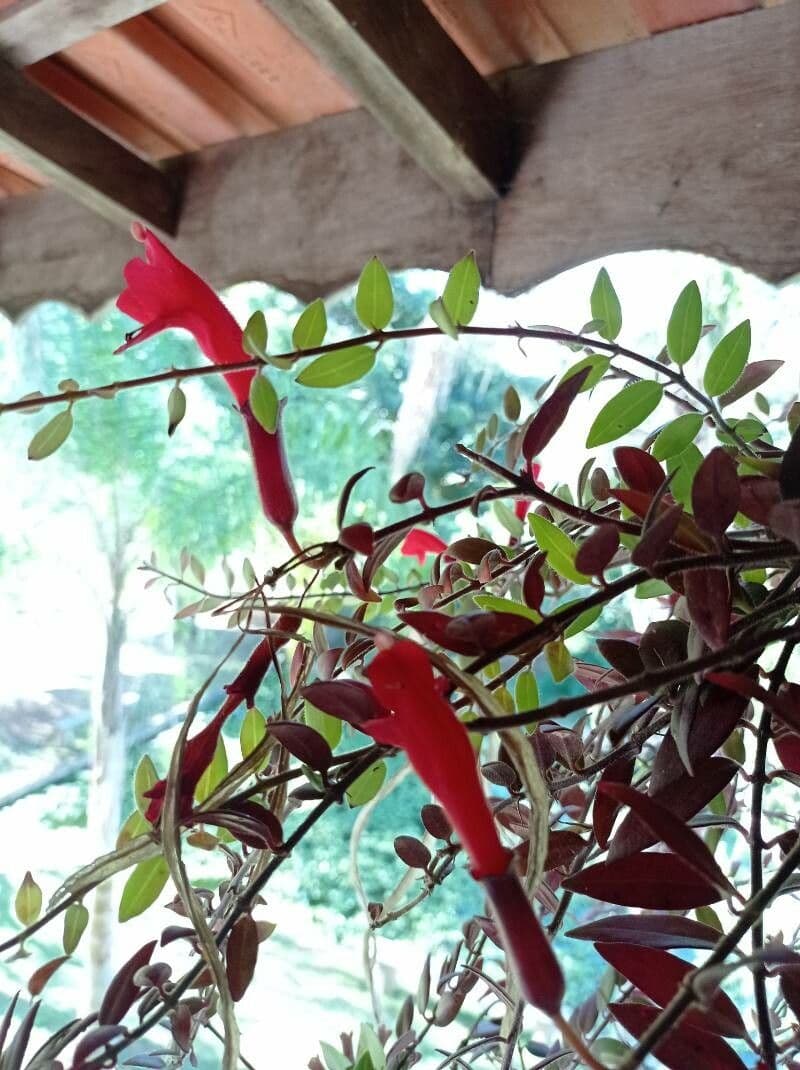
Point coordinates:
pixel 264 402
pixel 596 362
pixel 374 301
pixel 214 774
pixel 330 728
pixel 728 360
pixel 685 324
pixel 559 660
pixel 558 546
pixel 339 368
pixel 311 327
pixel 526 691
pixel 144 778
pixel 606 309
pixel 495 604
pixel 143 887
pixel 176 408
pixel 369 1044
pixel 334 1060
pixel 28 901
pixel 512 406
pixel 462 289
pixel 76 918
pixel 625 411
pixel 136 824
pixel 652 589
pixel 50 437
pixel 508 518
pixel 253 730
pixel 684 465
pixel 368 785
pixel 677 435
pixel 255 336
pixel 441 318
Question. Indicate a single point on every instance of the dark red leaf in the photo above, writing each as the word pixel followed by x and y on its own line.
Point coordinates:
pixel 708 599
pixel 753 376
pixel 241 956
pixel 715 492
pixel 122 993
pixel 784 704
pixel 787 747
pixel 663 643
pixel 662 823
pixel 789 475
pixel 91 1042
pixel 435 821
pixel 348 700
pixel 551 415
pixel 658 537
pixel 716 715
pixel 687 533
pixel 357 584
pixel 639 469
pixel 382 550
pixel 14 1055
pixel 472 633
pixel 757 497
pixel 40 977
pixel 347 490
pixel 563 846
pixel 683 1046
pixel 408 488
pixel 472 549
pixel 653 881
pixel 683 798
pixel 784 519
pixel 658 975
pixel 533 584
pixel 605 807
pixel 621 655
pixel 303 742
pixel 8 1017
pixel 535 965
pixel 412 851
pixel 358 537
pixel 649 930
pixel 790 988
pixel 249 822
pixel 597 551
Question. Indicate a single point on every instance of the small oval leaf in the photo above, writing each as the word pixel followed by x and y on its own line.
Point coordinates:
pixel 624 412
pixel 339 368
pixel 685 324
pixel 50 437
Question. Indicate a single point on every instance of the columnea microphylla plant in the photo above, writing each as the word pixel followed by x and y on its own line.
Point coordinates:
pixel 657 789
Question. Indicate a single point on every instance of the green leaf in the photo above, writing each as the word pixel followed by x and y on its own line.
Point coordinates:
pixel 264 402
pixel 677 435
pixel 76 918
pixel 684 465
pixel 143 887
pixel 559 660
pixel 558 546
pixel 685 324
pixel 512 407
pixel 176 408
pixel 368 1044
pixel 526 691
pixel 374 301
pixel 461 291
pixel 249 573
pixel 652 589
pixel 330 728
pixel 334 1060
pixel 606 307
pixel 368 785
pixel 495 604
pixel 215 773
pixel 144 778
pixel 508 518
pixel 339 368
pixel 136 824
pixel 255 335
pixel 311 327
pixel 438 313
pixel 728 360
pixel 599 366
pixel 583 621
pixel 625 411
pixel 50 437
pixel 28 901
pixel 253 730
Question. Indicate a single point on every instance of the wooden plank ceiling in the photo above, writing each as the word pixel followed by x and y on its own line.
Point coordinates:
pixel 186 74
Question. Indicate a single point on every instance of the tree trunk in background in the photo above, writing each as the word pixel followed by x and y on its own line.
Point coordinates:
pixel 106 791
pixel 425 392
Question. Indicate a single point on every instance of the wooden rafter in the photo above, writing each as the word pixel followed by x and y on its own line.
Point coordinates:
pixel 30 30
pixel 79 159
pixel 403 67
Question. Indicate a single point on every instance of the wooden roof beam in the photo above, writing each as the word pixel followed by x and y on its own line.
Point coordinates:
pixel 30 30
pixel 80 160
pixel 406 71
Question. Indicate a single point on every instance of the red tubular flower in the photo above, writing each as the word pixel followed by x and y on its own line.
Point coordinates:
pixel 419 720
pixel 163 292
pixel 419 544
pixel 199 750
